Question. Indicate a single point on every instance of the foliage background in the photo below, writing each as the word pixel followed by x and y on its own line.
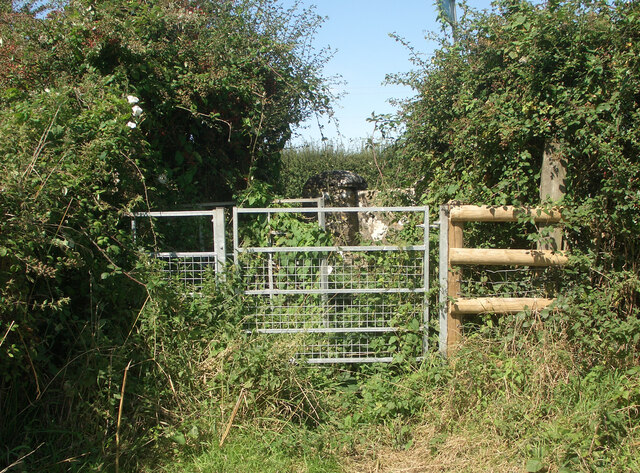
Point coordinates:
pixel 528 76
pixel 106 108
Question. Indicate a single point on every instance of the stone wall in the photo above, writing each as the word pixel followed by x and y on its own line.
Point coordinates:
pixel 375 226
pixel 347 189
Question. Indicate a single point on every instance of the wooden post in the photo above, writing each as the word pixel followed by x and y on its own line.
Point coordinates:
pixel 492 256
pixel 499 305
pixel 454 321
pixel 443 276
pixel 503 213
pixel 552 188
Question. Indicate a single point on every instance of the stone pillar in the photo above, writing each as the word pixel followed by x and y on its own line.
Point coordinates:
pixel 339 189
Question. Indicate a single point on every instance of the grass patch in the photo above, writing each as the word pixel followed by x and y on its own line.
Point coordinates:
pixel 507 403
pixel 258 450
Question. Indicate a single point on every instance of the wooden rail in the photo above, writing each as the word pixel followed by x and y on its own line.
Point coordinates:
pixel 506 213
pixel 484 256
pixel 453 253
pixel 498 305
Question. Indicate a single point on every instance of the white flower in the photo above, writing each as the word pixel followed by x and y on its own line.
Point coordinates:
pixel 132 99
pixel 47 90
pixel 136 111
pixel 131 125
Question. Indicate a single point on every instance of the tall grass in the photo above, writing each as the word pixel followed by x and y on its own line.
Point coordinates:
pixel 516 396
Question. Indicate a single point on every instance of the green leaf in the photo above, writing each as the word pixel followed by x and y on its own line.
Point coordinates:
pixel 534 465
pixel 194 432
pixel 179 438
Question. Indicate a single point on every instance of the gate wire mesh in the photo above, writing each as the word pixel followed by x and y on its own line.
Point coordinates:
pixel 348 304
pixel 496 281
pixel 189 268
pixel 202 229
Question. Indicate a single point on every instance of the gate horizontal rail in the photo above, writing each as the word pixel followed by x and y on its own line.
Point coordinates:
pixel 391 290
pixel 315 210
pixel 302 249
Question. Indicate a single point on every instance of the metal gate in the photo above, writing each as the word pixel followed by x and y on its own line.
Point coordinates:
pixel 344 302
pixel 190 268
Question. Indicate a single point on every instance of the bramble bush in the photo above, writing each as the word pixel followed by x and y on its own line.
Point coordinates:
pixel 106 108
pixel 220 84
pixel 522 78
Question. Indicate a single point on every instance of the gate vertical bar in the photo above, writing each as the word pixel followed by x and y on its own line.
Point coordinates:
pixel 133 229
pixel 443 270
pixel 270 255
pixel 219 239
pixel 324 270
pixel 236 244
pixel 425 275
pixel 322 220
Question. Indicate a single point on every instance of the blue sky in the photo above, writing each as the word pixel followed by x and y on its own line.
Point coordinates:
pixel 359 32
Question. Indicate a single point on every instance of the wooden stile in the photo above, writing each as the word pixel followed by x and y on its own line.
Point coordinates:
pixel 457 255
pixel 498 305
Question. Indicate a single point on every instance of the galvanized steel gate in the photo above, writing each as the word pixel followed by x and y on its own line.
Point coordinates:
pixel 191 267
pixel 352 302
pixel 349 303
pixel 339 303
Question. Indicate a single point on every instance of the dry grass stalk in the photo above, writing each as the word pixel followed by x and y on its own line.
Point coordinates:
pixel 4 337
pixel 19 460
pixel 471 452
pixel 41 144
pixel 233 416
pixel 124 383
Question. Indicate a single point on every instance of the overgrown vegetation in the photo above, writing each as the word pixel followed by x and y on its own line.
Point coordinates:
pixel 377 162
pixel 115 106
pixel 519 396
pixel 516 81
pixel 109 107
pixel 564 73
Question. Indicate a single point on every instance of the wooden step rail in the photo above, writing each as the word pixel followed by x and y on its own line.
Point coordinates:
pixel 488 257
pixel 453 253
pixel 506 213
pixel 498 305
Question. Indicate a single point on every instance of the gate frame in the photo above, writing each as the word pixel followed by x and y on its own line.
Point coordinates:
pixel 219 236
pixel 321 211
